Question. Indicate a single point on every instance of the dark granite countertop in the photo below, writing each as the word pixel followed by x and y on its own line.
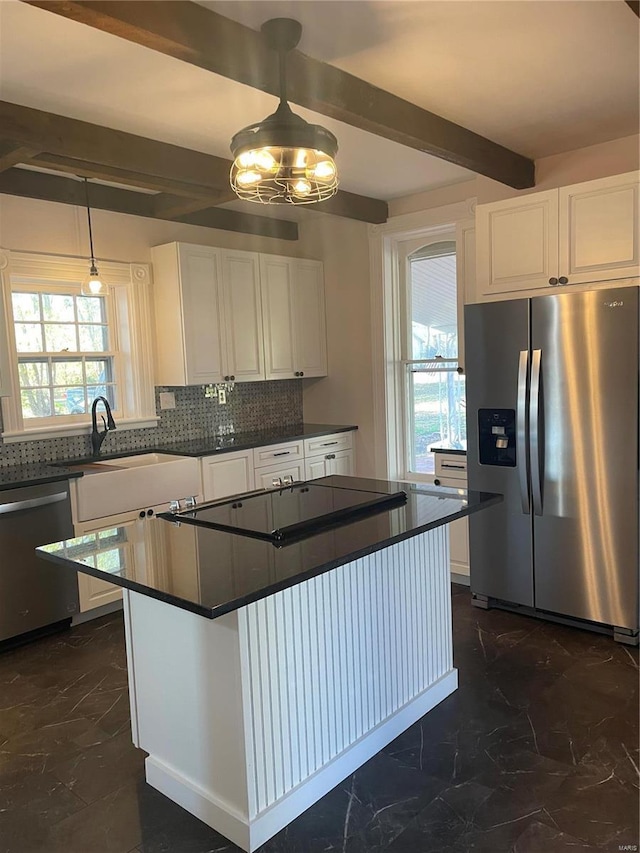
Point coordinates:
pixel 244 440
pixel 212 572
pixel 32 474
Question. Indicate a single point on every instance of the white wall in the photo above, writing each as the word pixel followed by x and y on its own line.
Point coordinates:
pixel 572 167
pixel 31 225
pixel 346 395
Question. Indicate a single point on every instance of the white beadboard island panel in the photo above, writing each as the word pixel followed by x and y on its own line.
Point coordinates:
pixel 252 717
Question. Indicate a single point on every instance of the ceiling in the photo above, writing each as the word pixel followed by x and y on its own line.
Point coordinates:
pixel 538 77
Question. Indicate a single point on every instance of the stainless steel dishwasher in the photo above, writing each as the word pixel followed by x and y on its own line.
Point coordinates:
pixel 33 593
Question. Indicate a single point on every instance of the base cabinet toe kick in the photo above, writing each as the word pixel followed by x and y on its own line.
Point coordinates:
pixel 251 718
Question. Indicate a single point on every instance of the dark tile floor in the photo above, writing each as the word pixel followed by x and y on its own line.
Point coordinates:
pixel 537 752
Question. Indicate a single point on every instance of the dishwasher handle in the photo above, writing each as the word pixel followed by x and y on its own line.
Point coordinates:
pixel 32 503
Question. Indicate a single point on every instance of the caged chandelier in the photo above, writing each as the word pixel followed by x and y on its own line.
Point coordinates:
pixel 284 159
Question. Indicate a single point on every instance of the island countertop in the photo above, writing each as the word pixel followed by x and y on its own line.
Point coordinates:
pixel 212 572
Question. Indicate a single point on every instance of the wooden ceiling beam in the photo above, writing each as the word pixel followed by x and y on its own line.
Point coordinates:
pixel 89 150
pixel 12 153
pixel 634 5
pixel 172 206
pixel 208 40
pixel 30 184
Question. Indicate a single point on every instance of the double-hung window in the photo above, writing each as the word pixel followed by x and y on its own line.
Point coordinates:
pixel 66 353
pixel 434 384
pixel 65 349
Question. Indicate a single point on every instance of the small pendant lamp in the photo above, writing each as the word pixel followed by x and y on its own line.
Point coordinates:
pixel 284 159
pixel 93 284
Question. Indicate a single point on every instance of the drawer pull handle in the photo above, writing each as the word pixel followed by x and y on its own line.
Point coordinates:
pixel 282 453
pixel 454 467
pixel 329 443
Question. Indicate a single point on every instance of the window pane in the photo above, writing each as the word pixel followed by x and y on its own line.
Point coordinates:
pixel 90 309
pixel 26 306
pixel 33 373
pixel 434 318
pixel 68 372
pixel 98 371
pixel 29 337
pixel 107 391
pixel 60 338
pixel 69 401
pixel 58 307
pixel 93 338
pixel 439 414
pixel 36 402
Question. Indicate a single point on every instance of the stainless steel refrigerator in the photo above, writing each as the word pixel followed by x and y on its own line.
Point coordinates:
pixel 552 424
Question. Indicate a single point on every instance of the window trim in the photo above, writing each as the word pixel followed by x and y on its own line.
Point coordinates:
pixel 388 371
pixel 129 292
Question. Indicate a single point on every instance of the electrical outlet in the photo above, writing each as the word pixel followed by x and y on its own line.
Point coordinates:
pixel 167 400
pixel 222 396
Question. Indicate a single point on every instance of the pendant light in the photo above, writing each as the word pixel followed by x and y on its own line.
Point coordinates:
pixel 284 159
pixel 93 284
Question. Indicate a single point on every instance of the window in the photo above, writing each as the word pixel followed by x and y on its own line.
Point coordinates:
pixel 435 388
pixel 66 349
pixel 64 355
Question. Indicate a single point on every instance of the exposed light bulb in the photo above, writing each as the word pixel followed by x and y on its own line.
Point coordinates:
pixel 301 158
pixel 302 187
pixel 325 170
pixel 264 160
pixel 93 284
pixel 247 177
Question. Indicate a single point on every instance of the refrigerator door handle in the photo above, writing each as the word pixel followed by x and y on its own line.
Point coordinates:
pixel 521 431
pixel 534 427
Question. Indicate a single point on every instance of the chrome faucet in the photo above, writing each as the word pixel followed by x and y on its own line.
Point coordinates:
pixel 98 437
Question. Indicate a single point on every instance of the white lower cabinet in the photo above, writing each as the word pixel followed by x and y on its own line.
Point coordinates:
pixel 329 454
pixel 451 472
pixel 227 474
pixel 266 476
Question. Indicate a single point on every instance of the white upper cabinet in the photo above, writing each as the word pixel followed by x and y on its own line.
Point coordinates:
pixel 242 313
pixel 294 317
pixel 223 314
pixel 579 234
pixel 190 349
pixel 599 229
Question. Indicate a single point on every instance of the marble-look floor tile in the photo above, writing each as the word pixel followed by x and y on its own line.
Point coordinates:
pixel 537 752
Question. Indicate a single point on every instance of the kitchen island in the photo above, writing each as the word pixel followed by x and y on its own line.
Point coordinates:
pixel 266 665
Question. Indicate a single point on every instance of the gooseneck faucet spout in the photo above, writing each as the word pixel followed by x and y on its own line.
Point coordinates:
pixel 98 437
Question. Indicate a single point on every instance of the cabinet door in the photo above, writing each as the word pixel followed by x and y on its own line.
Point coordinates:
pixel 599 229
pixel 277 315
pixel 315 468
pixel 340 463
pixel 517 243
pixel 227 474
pixel 266 476
pixel 310 333
pixel 242 316
pixel 201 305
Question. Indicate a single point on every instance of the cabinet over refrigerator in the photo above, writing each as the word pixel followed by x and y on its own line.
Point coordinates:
pixel 552 402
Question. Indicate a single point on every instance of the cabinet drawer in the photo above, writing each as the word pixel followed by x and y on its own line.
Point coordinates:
pixel 278 454
pixel 328 443
pixel 451 466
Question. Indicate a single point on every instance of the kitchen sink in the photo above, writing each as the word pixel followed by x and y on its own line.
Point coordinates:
pixel 114 486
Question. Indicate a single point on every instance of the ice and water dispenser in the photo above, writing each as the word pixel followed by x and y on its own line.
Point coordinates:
pixel 497 436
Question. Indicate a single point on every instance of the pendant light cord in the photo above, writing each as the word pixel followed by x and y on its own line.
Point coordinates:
pixel 282 66
pixel 86 194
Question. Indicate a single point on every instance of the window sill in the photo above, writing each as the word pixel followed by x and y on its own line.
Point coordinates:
pixel 67 430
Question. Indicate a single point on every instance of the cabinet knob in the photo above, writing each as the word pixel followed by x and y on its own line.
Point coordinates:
pixel 233 378
pixel 563 279
pixel 302 373
pixel 553 281
pixel 436 482
pixel 297 373
pixel 330 456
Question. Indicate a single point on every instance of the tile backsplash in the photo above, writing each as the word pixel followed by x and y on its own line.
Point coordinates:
pixel 250 406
